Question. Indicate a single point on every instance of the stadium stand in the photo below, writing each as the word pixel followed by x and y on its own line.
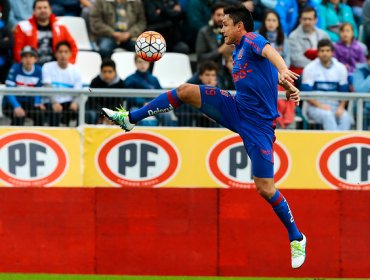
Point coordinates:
pixel 88 62
pixel 78 29
pixel 125 62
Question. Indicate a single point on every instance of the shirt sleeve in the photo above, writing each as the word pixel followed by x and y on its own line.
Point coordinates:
pixel 10 82
pixel 308 79
pixel 46 78
pixel 256 42
pixel 343 79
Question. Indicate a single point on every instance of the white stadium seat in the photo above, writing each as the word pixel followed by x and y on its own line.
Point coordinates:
pixel 172 69
pixel 77 27
pixel 125 63
pixel 88 62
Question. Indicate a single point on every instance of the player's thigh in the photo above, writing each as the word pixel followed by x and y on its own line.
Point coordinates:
pixel 220 106
pixel 262 167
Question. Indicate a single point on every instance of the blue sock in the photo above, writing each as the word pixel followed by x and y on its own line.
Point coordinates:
pixel 163 103
pixel 281 208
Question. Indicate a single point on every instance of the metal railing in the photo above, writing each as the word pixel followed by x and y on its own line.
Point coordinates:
pixel 84 94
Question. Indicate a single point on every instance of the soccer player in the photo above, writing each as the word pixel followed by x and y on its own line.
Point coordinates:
pixel 251 113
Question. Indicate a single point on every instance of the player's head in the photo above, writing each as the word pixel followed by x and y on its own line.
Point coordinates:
pixel 63 53
pixel 141 64
pixel 325 50
pixel 308 19
pixel 236 22
pixel 108 70
pixel 218 14
pixel 42 10
pixel 208 72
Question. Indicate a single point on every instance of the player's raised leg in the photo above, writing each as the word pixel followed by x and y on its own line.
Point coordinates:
pixel 165 102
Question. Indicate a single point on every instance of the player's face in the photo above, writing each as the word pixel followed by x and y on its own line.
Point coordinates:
pixel 325 54
pixel 271 22
pixel 308 21
pixel 108 74
pixel 208 77
pixel 63 55
pixel 217 17
pixel 42 11
pixel 142 65
pixel 231 32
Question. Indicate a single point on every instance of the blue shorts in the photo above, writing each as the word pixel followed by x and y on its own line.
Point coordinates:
pixel 258 135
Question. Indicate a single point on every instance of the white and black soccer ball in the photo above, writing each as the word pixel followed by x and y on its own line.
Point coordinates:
pixel 150 46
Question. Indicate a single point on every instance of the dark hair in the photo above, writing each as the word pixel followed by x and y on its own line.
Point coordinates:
pixel 216 6
pixel 309 9
pixel 36 1
pixel 280 33
pixel 239 13
pixel 325 43
pixel 207 65
pixel 107 62
pixel 63 43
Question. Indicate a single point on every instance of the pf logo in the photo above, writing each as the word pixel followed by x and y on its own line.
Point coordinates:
pixel 138 160
pixel 345 163
pixel 31 159
pixel 229 163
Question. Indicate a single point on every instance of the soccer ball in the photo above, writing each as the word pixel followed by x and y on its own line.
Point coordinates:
pixel 150 46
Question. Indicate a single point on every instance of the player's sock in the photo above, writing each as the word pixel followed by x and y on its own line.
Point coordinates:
pixel 163 103
pixel 281 208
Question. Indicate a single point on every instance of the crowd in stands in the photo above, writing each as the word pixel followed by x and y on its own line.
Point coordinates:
pixel 327 42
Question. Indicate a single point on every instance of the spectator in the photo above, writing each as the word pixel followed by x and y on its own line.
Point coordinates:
pixel 87 6
pixel 366 23
pixel 303 41
pixel 271 29
pixel 357 10
pixel 19 10
pixel 107 79
pixel 43 32
pixel 302 4
pixel 333 14
pixel 348 50
pixel 226 73
pixel 167 18
pixel 326 73
pixel 25 74
pixel 66 7
pixel 287 11
pixel 116 24
pixel 257 10
pixel 143 79
pixel 6 42
pixel 189 115
pixel 61 74
pixel 209 43
pixel 361 82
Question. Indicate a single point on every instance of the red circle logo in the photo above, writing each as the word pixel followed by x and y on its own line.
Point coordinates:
pixel 31 159
pixel 138 159
pixel 229 164
pixel 345 163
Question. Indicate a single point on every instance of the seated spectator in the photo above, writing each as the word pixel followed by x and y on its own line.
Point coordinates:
pixel 356 6
pixel 326 73
pixel 361 83
pixel 87 6
pixel 25 74
pixel 19 10
pixel 366 23
pixel 226 74
pixel 303 41
pixel 348 50
pixel 66 7
pixel 116 24
pixel 61 108
pixel 108 79
pixel 287 11
pixel 272 30
pixel 333 14
pixel 143 79
pixel 43 32
pixel 167 18
pixel 189 115
pixel 210 42
pixel 6 44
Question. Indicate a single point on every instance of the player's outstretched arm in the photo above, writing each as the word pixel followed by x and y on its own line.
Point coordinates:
pixel 285 74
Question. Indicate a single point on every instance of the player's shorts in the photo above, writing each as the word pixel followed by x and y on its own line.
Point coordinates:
pixel 258 137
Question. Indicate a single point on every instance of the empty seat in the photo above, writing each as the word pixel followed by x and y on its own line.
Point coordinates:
pixel 88 62
pixel 125 63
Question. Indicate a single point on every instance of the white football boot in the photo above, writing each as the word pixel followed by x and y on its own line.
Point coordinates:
pixel 298 250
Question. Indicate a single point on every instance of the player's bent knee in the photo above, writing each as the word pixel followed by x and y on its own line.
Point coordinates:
pixel 265 187
pixel 189 93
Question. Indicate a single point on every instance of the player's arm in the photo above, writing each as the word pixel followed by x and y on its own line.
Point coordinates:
pixel 285 74
pixel 291 92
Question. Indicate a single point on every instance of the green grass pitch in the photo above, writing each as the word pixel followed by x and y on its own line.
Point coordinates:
pixel 103 277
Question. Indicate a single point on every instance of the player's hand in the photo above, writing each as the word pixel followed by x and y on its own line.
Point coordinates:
pixel 287 75
pixel 19 112
pixel 73 106
pixel 57 107
pixel 292 93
